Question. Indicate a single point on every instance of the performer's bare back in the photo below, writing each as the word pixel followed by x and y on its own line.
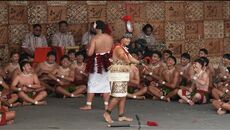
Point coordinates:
pixel 102 43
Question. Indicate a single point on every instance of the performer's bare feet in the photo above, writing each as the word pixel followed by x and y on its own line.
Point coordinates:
pixel 85 108
pixel 181 101
pixel 190 102
pixel 221 112
pixel 10 122
pixel 123 118
pixel 16 104
pixel 107 118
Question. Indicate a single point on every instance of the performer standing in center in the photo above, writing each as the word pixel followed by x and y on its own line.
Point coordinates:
pixel 122 62
pixel 97 65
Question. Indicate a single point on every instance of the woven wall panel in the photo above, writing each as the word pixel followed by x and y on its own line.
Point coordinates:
pixel 37 14
pixel 137 11
pixel 194 30
pixel 118 29
pixel 174 11
pixel 77 13
pixel 175 47
pixel 159 30
pixel 192 46
pixel 96 12
pixel 78 30
pixel 17 14
pixel 115 11
pixel 3 14
pixel 155 11
pixel 17 33
pixel 214 29
pixel 175 31
pixel 227 45
pixel 4 55
pixel 213 10
pixel 226 10
pixel 214 46
pixel 194 11
pixel 227 28
pixel 57 3
pixel 18 2
pixel 56 13
pixel 3 35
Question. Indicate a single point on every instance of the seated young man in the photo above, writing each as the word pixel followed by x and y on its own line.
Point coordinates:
pixel 167 87
pixel 72 56
pixel 183 67
pixel 6 116
pixel 222 107
pixel 28 87
pixel 198 91
pixel 11 67
pixel 64 76
pixel 45 68
pixel 9 99
pixel 150 74
pixel 166 54
pixel 209 71
pixel 222 70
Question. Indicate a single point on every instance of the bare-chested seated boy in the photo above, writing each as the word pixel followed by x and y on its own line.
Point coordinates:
pixel 45 68
pixel 167 87
pixel 81 78
pixel 221 106
pixel 64 76
pixel 198 91
pixel 150 74
pixel 11 67
pixel 166 54
pixel 28 86
pixel 72 56
pixel 184 68
pixel 6 116
pixel 9 99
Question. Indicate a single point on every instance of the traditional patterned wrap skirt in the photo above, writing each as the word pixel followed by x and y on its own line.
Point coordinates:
pixel 119 78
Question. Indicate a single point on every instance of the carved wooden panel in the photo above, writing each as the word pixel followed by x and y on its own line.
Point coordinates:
pixel 137 11
pixel 214 29
pixel 175 31
pixel 155 11
pixel 3 35
pixel 194 10
pixel 174 11
pixel 227 28
pixel 213 10
pixel 77 13
pixel 96 12
pixel 214 46
pixel 56 13
pixel 17 14
pixel 194 30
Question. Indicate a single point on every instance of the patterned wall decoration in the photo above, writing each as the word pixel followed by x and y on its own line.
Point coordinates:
pixel 182 25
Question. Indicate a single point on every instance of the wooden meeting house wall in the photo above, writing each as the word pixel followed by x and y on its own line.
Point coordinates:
pixel 183 26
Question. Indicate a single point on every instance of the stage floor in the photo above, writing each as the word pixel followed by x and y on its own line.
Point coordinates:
pixel 64 114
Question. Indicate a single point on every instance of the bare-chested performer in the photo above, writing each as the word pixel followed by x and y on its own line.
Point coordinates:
pixel 81 78
pixel 184 69
pixel 72 56
pixel 151 74
pixel 167 87
pixel 122 62
pixel 12 66
pixel 9 99
pixel 198 91
pixel 6 116
pixel 64 75
pixel 166 54
pixel 28 86
pixel 45 68
pixel 97 66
